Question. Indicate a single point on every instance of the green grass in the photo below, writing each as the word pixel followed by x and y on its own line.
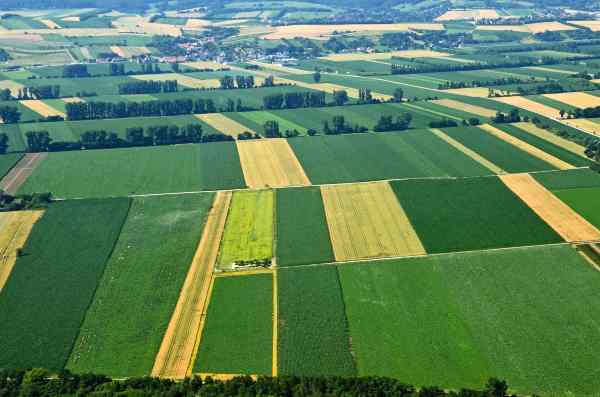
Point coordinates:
pixel 469 214
pixel 313 335
pixel 7 161
pixel 249 229
pixel 584 201
pixel 569 179
pixel 499 152
pixel 74 87
pixel 455 320
pixel 52 285
pixel 302 233
pixel 121 172
pixel 238 335
pixel 377 156
pixel 140 287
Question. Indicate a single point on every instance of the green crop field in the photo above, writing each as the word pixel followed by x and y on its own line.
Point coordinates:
pixel 53 283
pixel 469 214
pixel 120 172
pixel 568 179
pixel 313 333
pixel 378 156
pixel 249 230
pixel 140 287
pixel 455 320
pixel 499 152
pixel 584 201
pixel 76 87
pixel 7 161
pixel 238 335
pixel 302 233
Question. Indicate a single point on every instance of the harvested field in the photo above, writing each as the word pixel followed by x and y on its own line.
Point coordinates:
pixel 586 125
pixel 539 27
pixel 179 345
pixel 532 106
pixel 315 31
pixel 51 24
pixel 594 25
pixel 21 171
pixel 181 79
pixel 552 138
pixel 532 150
pixel 566 222
pixel 14 231
pixel 194 23
pixel 361 56
pixel 578 99
pixel 477 92
pixel 129 52
pixel 13 86
pixel 224 124
pixel 270 163
pixel 468 152
pixel 42 108
pixel 367 221
pixel 465 107
pixel 462 15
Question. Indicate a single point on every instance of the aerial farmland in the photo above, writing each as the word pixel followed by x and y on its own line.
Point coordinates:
pixel 299 198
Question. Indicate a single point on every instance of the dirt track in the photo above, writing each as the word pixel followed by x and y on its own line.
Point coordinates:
pixel 21 171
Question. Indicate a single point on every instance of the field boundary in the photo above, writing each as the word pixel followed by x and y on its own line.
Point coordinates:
pixel 18 174
pixel 275 322
pixel 552 138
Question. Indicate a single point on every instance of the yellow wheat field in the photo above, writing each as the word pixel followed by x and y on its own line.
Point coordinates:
pixel 526 147
pixel 550 137
pixel 461 15
pixel 223 124
pixel 532 106
pixel 314 31
pixel 465 107
pixel 586 125
pixel 567 223
pixel 270 163
pixel 42 108
pixel 579 99
pixel 366 220
pixel 476 92
pixel 594 25
pixel 362 56
pixel 14 231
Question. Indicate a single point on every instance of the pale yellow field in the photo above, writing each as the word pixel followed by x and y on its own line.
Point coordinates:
pixel 528 104
pixel 50 24
pixel 532 150
pixel 13 86
pixel 129 52
pixel 194 23
pixel 14 230
pixel 579 99
pixel 315 31
pixel 280 68
pixel 182 79
pixel 270 163
pixel 73 100
pixel 140 25
pixel 362 56
pixel 477 92
pixel 567 223
pixel 584 124
pixel 468 152
pixel 201 65
pixel 459 15
pixel 594 25
pixel 41 108
pixel 180 343
pixel 539 27
pixel 71 19
pixel 86 52
pixel 366 220
pixel 550 137
pixel 465 107
pixel 224 124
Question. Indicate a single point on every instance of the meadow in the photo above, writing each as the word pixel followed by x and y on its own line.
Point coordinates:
pixel 302 233
pixel 46 305
pixel 454 320
pixel 7 161
pixel 237 337
pixel 470 214
pixel 313 334
pixel 130 322
pixel 122 172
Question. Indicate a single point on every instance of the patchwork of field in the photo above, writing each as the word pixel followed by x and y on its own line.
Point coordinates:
pixel 316 31
pixel 532 106
pixel 42 108
pixel 20 170
pixel 465 107
pixel 578 99
pixel 366 221
pixel 461 15
pixel 224 124
pixel 359 56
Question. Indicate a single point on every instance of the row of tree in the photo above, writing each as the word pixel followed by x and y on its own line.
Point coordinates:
pixel 291 100
pixel 147 87
pixel 22 202
pixel 229 82
pixel 9 114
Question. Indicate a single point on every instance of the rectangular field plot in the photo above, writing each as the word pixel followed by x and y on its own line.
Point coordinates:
pixel 238 335
pixel 470 214
pixel 120 172
pixel 270 163
pixel 302 233
pixel 366 221
pixel 140 286
pixel 455 320
pixel 368 157
pixel 568 179
pixel 584 201
pixel 312 338
pixel 51 286
pixel 249 229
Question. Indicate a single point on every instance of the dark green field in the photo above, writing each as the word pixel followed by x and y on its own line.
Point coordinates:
pixel 313 332
pixel 568 179
pixel 470 214
pixel 302 234
pixel 585 201
pixel 53 283
pixel 7 161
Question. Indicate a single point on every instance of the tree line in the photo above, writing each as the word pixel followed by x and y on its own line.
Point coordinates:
pixel 22 202
pixel 147 87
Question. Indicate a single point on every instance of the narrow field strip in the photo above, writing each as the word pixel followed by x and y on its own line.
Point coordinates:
pixel 21 171
pixel 280 68
pixel 50 24
pixel 586 125
pixel 578 99
pixel 42 108
pixel 543 69
pixel 566 222
pixel 468 152
pixel 465 107
pixel 13 86
pixel 275 322
pixel 552 138
pixel 367 221
pixel 182 79
pixel 270 163
pixel 532 106
pixel 14 229
pixel 429 111
pixel 224 124
pixel 180 342
pixel 532 150
pixel 591 254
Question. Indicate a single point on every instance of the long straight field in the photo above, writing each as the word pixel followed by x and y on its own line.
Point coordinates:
pixel 584 201
pixel 455 320
pixel 120 172
pixel 237 337
pixel 140 286
pixel 52 284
